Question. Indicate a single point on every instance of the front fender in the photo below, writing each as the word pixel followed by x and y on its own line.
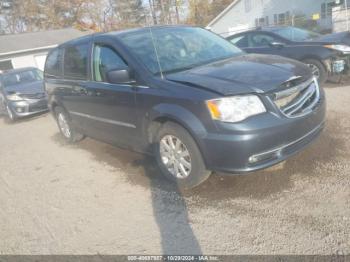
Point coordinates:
pixel 180 115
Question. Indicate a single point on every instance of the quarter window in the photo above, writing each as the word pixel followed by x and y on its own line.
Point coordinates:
pixel 53 63
pixel 105 59
pixel 75 62
pixel 240 41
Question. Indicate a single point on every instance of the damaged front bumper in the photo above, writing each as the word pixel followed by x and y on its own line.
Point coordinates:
pixel 338 65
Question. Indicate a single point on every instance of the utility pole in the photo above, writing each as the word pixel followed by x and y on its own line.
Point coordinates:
pixel 346 14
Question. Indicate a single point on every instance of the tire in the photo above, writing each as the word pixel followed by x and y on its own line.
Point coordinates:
pixel 314 64
pixel 65 126
pixel 197 173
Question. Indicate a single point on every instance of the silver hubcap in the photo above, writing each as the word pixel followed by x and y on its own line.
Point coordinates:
pixel 315 70
pixel 175 156
pixel 9 112
pixel 63 124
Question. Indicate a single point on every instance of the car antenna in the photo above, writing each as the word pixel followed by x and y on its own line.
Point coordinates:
pixel 156 51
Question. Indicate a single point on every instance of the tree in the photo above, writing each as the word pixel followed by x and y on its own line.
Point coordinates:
pixel 129 12
pixel 203 11
pixel 199 12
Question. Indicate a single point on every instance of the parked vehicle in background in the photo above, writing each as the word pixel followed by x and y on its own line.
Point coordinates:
pixel 22 93
pixel 326 55
pixel 189 97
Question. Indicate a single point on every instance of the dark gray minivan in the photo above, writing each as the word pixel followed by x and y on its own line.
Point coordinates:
pixel 189 97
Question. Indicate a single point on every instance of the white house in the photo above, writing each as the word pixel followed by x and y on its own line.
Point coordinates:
pixel 30 49
pixel 247 14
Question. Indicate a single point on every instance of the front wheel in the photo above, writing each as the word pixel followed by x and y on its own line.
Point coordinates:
pixel 178 156
pixel 65 126
pixel 318 70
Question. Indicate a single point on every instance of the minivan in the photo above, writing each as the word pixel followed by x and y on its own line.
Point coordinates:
pixel 192 99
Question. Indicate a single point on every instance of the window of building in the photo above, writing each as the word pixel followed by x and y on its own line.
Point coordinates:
pixel 281 19
pixel 326 10
pixel 275 19
pixel 247 5
pixel 329 9
pixel 75 62
pixel 288 18
pixel 6 65
pixel 105 59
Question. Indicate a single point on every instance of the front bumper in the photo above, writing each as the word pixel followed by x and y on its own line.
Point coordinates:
pixel 28 107
pixel 261 141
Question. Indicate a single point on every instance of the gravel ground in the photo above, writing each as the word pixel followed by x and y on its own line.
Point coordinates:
pixel 93 198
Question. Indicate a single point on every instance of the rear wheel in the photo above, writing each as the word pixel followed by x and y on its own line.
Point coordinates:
pixel 178 156
pixel 318 70
pixel 65 126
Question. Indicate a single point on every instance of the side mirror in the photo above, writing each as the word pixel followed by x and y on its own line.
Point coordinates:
pixel 119 76
pixel 277 44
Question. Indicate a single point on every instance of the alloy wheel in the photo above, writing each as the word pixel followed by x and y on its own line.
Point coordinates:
pixel 315 70
pixel 63 125
pixel 175 156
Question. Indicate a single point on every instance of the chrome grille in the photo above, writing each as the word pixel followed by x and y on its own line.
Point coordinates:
pixel 33 96
pixel 298 100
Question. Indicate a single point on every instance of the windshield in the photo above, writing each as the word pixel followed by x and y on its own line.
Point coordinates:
pixel 295 34
pixel 178 48
pixel 22 77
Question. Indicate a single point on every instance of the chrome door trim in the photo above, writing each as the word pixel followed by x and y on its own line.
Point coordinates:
pixel 104 120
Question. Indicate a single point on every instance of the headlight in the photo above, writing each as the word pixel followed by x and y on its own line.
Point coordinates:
pixel 14 97
pixel 342 48
pixel 235 108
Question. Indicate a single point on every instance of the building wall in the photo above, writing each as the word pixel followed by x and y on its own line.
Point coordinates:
pixel 339 19
pixel 35 60
pixel 242 15
pixel 27 60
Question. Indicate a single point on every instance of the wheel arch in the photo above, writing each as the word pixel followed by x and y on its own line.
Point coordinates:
pixel 173 113
pixel 317 58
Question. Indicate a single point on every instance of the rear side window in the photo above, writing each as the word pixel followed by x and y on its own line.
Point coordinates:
pixel 240 41
pixel 53 64
pixel 76 62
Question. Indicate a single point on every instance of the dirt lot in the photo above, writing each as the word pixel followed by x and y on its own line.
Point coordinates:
pixel 92 198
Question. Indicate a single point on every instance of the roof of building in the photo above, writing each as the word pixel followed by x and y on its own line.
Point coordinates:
pixel 37 40
pixel 234 2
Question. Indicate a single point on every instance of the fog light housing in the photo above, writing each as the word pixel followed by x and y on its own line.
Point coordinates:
pixel 19 109
pixel 264 157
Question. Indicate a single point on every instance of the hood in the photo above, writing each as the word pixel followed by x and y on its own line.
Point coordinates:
pixel 335 38
pixel 26 88
pixel 243 74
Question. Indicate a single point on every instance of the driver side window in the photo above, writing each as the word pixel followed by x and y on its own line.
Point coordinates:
pixel 105 60
pixel 261 40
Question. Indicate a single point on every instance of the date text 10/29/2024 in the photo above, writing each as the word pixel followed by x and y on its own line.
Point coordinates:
pixel 173 258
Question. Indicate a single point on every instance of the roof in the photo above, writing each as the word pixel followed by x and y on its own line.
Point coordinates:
pixel 118 33
pixel 10 71
pixel 37 40
pixel 234 2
